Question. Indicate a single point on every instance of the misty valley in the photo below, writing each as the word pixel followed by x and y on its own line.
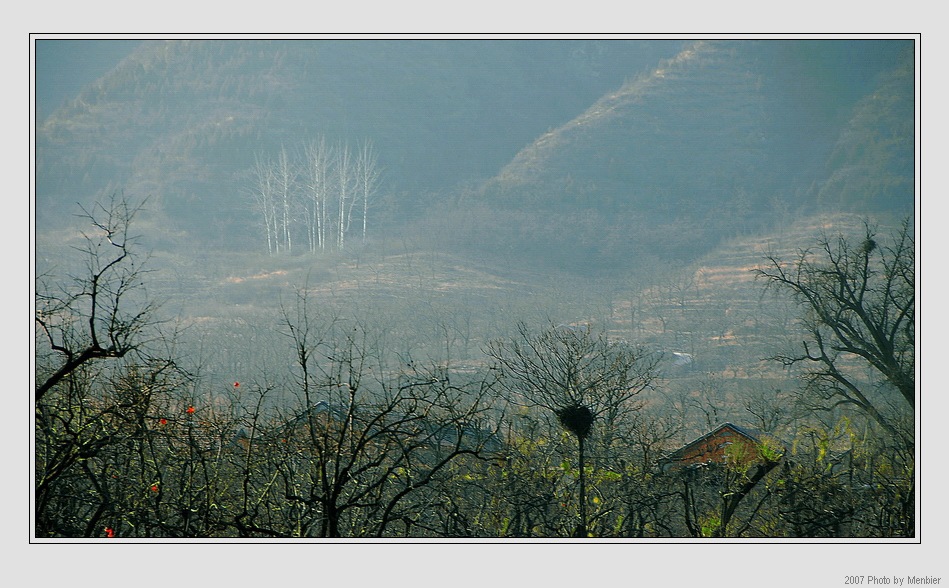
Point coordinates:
pixel 479 290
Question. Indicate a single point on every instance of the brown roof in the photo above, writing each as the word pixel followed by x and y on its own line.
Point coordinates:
pixel 750 434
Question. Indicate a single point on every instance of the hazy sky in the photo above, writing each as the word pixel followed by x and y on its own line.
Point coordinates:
pixel 65 66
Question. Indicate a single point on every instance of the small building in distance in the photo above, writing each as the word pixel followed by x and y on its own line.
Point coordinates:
pixel 726 444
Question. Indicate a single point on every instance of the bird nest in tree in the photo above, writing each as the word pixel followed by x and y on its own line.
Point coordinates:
pixel 576 419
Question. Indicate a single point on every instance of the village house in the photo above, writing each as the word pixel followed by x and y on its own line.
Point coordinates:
pixel 725 444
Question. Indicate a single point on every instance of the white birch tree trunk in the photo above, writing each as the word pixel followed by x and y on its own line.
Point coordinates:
pixel 318 167
pixel 263 193
pixel 368 176
pixel 344 181
pixel 286 175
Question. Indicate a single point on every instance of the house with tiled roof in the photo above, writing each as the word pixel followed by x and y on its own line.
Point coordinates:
pixel 727 443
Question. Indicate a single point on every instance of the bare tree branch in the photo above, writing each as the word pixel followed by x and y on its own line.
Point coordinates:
pixel 106 313
pixel 859 302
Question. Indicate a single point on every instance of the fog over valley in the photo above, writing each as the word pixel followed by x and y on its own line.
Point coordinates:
pixel 475 288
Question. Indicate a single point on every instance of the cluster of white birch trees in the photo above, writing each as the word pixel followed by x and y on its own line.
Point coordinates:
pixel 320 193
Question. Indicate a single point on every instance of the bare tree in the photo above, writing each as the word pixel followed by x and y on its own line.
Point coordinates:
pixel 104 313
pixel 345 197
pixel 859 302
pixel 317 168
pixel 263 193
pixel 577 375
pixel 92 414
pixel 318 191
pixel 285 183
pixel 367 180
pixel 367 442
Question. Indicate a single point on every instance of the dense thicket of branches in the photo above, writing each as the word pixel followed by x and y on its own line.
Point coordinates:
pixel 351 440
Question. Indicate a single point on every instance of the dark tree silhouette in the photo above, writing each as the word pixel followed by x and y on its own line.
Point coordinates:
pixel 101 315
pixel 859 302
pixel 577 375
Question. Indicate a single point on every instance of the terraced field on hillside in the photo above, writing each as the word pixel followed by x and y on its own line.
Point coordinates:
pixel 432 306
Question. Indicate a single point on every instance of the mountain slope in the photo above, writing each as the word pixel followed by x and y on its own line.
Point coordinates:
pixel 726 138
pixel 654 151
pixel 183 120
pixel 872 165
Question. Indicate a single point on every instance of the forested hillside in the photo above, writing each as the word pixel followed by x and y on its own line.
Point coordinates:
pixel 183 120
pixel 722 140
pixel 588 128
